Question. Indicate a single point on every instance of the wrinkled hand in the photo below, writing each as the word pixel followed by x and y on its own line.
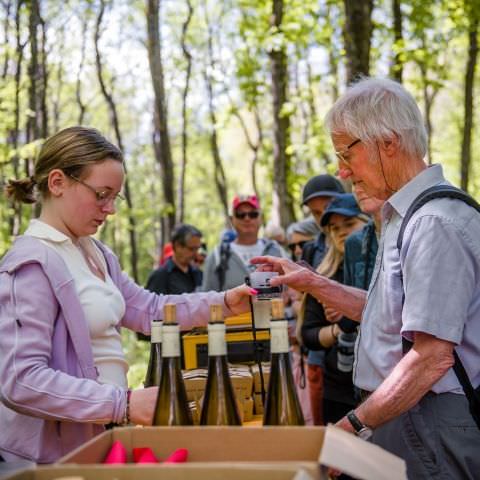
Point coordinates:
pixel 332 315
pixel 142 405
pixel 237 299
pixel 296 276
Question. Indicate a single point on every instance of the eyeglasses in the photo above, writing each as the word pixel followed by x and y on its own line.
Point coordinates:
pixel 341 155
pixel 243 215
pixel 103 196
pixel 293 246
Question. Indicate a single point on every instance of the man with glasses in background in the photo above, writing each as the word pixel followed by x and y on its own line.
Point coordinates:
pixel 179 274
pixel 229 262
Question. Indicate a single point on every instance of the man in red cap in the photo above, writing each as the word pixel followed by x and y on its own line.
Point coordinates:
pixel 229 262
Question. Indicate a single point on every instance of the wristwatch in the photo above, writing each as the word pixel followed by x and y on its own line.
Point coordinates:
pixel 361 430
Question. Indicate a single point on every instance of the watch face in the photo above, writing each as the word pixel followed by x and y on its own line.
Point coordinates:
pixel 365 433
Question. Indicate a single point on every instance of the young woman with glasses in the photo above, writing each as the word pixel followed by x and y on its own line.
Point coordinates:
pixel 64 299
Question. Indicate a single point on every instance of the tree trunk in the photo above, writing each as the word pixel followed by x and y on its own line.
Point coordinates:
pixel 16 220
pixel 396 70
pixel 333 57
pixel 468 108
pixel 253 145
pixel 59 83
pixel 6 28
pixel 357 35
pixel 282 203
pixel 33 122
pixel 219 172
pixel 78 84
pixel 183 166
pixel 116 126
pixel 162 148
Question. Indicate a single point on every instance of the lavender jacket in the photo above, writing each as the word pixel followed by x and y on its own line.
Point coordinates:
pixel 50 399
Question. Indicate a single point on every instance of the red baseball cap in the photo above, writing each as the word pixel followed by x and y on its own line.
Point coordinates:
pixel 251 200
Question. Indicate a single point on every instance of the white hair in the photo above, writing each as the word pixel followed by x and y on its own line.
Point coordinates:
pixel 375 109
pixel 307 227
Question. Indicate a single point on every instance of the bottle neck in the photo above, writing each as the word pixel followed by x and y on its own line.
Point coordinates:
pixel 170 341
pixel 279 336
pixel 217 345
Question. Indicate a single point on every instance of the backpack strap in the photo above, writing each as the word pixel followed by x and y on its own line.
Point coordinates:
pixel 222 267
pixel 445 191
pixel 437 191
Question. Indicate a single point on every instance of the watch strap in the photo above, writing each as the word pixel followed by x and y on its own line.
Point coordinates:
pixel 354 421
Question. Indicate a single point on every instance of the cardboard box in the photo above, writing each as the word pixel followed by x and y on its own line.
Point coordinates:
pixel 257 404
pixel 247 405
pixel 165 472
pixel 257 384
pixel 298 447
pixel 242 380
pixel 196 380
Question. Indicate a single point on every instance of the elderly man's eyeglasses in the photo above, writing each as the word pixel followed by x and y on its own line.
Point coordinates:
pixel 341 155
pixel 103 195
pixel 242 215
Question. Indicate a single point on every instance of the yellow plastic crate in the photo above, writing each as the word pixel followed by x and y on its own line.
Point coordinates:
pixel 242 319
pixel 195 346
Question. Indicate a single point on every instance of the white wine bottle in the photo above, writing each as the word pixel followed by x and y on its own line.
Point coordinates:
pixel 172 405
pixel 219 405
pixel 152 378
pixel 281 406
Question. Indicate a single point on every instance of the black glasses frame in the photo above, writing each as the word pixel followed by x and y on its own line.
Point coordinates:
pixel 242 215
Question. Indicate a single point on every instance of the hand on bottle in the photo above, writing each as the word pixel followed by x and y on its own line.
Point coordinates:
pixel 299 276
pixel 142 405
pixel 236 299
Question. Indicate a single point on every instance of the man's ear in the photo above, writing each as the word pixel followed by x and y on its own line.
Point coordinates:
pixel 390 146
pixel 57 182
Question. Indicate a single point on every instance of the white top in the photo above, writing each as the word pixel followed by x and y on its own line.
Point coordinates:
pixel 102 302
pixel 247 252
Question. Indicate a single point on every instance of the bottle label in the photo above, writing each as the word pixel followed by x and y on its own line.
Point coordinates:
pixel 217 344
pixel 170 341
pixel 156 332
pixel 279 336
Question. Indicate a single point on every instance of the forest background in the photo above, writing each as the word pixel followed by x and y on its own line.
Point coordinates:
pixel 208 98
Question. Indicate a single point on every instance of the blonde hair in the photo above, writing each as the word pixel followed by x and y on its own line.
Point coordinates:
pixel 331 262
pixel 71 150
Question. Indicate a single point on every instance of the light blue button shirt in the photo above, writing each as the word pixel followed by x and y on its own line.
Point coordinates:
pixel 440 261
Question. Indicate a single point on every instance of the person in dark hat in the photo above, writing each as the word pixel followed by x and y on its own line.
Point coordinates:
pixel 317 193
pixel 341 218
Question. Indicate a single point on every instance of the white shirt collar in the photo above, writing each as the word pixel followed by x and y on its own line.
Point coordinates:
pixel 44 231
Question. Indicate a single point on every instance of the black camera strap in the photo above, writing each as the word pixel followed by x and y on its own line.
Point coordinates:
pixel 445 191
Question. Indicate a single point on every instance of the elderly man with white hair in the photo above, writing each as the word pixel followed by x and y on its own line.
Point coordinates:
pixel 425 294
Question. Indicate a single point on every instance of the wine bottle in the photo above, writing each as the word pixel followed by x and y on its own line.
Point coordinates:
pixel 152 378
pixel 219 405
pixel 171 407
pixel 281 406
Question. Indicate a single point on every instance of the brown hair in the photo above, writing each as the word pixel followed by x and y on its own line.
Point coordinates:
pixel 71 150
